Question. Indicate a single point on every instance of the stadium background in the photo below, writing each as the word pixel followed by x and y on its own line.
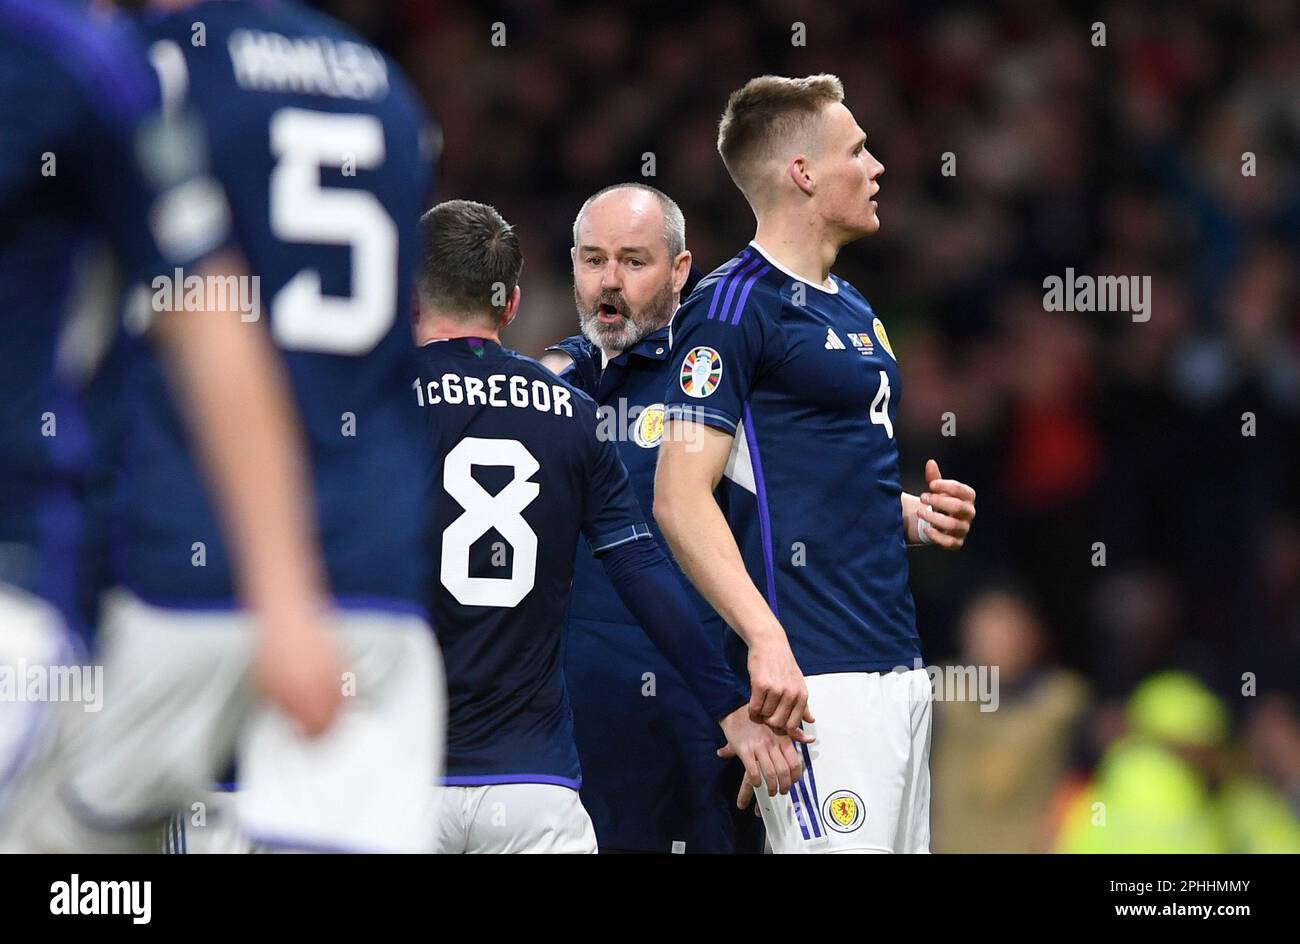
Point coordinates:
pixel 1157 692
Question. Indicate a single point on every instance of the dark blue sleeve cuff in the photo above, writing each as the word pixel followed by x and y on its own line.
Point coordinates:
pixel 690 413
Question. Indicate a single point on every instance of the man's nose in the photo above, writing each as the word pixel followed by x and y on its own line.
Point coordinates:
pixel 610 277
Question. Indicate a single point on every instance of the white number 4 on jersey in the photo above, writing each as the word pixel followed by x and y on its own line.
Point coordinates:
pixel 880 406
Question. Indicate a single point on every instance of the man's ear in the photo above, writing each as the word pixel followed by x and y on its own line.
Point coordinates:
pixel 799 170
pixel 512 306
pixel 681 271
pixel 416 317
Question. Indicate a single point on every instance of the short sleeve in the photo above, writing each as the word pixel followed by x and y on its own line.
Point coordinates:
pixel 145 174
pixel 717 353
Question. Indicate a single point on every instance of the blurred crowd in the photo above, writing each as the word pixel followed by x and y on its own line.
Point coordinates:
pixel 1135 568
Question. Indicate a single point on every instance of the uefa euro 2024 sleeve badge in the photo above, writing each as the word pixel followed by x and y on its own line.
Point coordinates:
pixel 701 371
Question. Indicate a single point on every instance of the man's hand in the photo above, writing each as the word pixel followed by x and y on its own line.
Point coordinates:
pixel 299 668
pixel 557 362
pixel 768 758
pixel 779 693
pixel 947 508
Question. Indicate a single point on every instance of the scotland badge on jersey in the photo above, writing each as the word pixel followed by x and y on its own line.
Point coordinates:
pixel 649 428
pixel 879 328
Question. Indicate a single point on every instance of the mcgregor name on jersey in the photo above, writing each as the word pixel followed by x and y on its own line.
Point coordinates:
pixel 500 390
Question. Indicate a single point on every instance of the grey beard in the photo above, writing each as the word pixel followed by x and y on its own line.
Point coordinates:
pixel 635 326
pixel 613 338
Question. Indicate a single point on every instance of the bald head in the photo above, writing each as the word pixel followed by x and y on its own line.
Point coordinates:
pixel 637 209
pixel 629 264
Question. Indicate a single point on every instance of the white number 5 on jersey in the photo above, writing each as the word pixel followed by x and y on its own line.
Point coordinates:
pixel 302 211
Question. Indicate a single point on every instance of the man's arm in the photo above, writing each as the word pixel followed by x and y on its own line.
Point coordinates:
pixel 688 472
pixel 230 384
pixel 145 179
pixel 652 593
pixel 616 530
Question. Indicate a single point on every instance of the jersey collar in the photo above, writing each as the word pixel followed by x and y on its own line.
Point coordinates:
pixel 798 278
pixel 478 346
pixel 656 346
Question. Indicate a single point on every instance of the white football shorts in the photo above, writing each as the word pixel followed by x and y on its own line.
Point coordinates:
pixel 180 702
pixel 514 817
pixel 866 783
pixel 34 654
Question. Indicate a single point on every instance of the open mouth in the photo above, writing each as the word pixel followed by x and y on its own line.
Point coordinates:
pixel 608 314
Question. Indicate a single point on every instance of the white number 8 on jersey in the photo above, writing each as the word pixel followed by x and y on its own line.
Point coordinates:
pixel 484 511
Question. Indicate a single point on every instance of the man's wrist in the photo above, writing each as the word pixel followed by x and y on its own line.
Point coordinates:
pixel 738 701
pixel 763 634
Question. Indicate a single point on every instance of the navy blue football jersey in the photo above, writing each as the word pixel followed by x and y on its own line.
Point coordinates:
pixel 651 779
pixel 320 145
pixel 94 189
pixel 804 377
pixel 518 472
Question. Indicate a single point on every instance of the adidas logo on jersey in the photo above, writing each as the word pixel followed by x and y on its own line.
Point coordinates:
pixel 833 342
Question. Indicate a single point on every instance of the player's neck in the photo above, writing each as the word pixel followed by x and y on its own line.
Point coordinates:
pixel 445 329
pixel 799 248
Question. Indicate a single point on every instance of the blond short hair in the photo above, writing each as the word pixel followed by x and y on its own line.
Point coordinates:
pixel 765 113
